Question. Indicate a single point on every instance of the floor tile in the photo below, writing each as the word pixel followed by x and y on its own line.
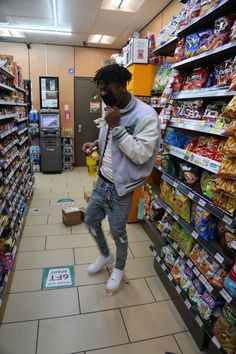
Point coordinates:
pixel 26 280
pixel 81 228
pixel 137 235
pixel 18 338
pixel 152 346
pixel 92 298
pixel 38 203
pixel 41 304
pixel 55 219
pixel 80 333
pixel 62 189
pixel 157 288
pixel 152 320
pixel 187 344
pixel 40 259
pixel 134 226
pixel 49 195
pixel 47 210
pixel 140 249
pixel 83 278
pixel 139 268
pixel 36 220
pixel 32 244
pixel 69 241
pixel 46 230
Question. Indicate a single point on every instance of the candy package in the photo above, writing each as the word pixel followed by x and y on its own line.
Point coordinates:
pixel 192 45
pixel 230 147
pixel 208 184
pixel 225 329
pixel 178 269
pixel 225 202
pixel 228 168
pixel 179 50
pixel 197 80
pixel 168 255
pixel 228 186
pixel 222 31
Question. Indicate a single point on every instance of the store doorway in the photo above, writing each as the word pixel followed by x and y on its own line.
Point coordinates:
pixel 85 129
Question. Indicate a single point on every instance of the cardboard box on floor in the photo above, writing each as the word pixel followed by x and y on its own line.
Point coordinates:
pixel 73 215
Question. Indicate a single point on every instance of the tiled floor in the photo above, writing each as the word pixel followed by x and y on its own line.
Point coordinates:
pixel 140 318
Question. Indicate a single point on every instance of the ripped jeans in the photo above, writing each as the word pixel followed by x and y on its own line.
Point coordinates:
pixel 105 201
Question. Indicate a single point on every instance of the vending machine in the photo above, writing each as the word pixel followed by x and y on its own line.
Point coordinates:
pixel 50 141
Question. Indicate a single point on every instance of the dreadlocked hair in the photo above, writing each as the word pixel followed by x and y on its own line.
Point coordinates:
pixel 112 73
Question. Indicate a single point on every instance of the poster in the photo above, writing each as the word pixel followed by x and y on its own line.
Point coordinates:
pixel 95 106
pixel 49 92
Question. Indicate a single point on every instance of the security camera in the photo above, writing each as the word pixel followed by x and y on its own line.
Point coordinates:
pixel 28 45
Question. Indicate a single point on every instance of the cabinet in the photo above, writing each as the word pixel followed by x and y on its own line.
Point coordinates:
pixel 142 79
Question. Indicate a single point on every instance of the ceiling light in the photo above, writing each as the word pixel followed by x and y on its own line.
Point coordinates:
pixel 31 30
pixel 11 33
pixel 122 5
pixel 100 38
pixel 54 7
pixel 107 39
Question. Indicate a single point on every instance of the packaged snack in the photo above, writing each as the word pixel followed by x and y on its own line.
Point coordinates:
pixel 231 130
pixel 186 279
pixel 198 254
pixel 192 144
pixel 162 77
pixel 165 224
pixel 232 36
pixel 179 79
pixel 179 50
pixel 230 147
pixel 224 73
pixel 219 155
pixel 189 174
pixel 171 136
pixel 225 202
pixel 192 45
pixel 182 139
pixel 193 10
pixel 209 267
pixel 164 118
pixel 207 306
pixel 228 186
pixel 197 80
pixel 207 5
pixel 185 241
pixel 168 163
pixel 230 282
pixel 208 184
pixel 178 269
pixel 218 280
pixel 175 231
pixel 165 192
pixel 192 109
pixel 168 255
pixel 230 240
pixel 205 40
pixel 222 31
pixel 228 168
pixel 181 205
pixel 211 112
pixel 233 83
pixel 225 329
pixel 196 290
pixel 205 223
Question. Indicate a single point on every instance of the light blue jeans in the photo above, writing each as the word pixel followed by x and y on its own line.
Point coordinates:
pixel 105 201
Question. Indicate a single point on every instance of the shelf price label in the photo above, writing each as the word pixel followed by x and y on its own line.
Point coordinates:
pixel 219 258
pixel 178 289
pixel 199 321
pixel 216 342
pixel 170 277
pixel 191 195
pixel 163 266
pixel 154 252
pixel 175 245
pixel 227 220
pixel 158 258
pixel 194 234
pixel 189 263
pixel 175 184
pixel 187 303
pixel 181 253
pixel 225 295
pixel 202 202
pixel 196 271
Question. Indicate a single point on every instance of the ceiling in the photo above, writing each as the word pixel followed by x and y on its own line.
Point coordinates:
pixel 82 17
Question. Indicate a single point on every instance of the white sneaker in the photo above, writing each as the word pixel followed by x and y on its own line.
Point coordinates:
pixel 115 280
pixel 100 263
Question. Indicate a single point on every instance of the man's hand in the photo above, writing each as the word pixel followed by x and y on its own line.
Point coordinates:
pixel 87 148
pixel 112 116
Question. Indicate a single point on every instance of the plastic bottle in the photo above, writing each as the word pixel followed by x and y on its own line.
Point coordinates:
pixel 33 116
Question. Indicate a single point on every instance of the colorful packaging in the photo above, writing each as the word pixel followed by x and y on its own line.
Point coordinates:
pixel 230 147
pixel 171 136
pixel 179 50
pixel 181 205
pixel 198 254
pixel 232 36
pixel 208 184
pixel 197 80
pixel 169 165
pixel 224 73
pixel 205 223
pixel 218 280
pixel 228 186
pixel 192 45
pixel 162 77
pixel 222 31
pixel 225 202
pixel 178 269
pixel 207 5
pixel 209 267
pixel 230 282
pixel 206 38
pixel 188 173
pixel 207 306
pixel 228 168
pixel 168 255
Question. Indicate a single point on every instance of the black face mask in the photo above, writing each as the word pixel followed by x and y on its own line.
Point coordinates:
pixel 109 99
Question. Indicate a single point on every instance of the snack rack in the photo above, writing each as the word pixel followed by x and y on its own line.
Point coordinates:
pixel 202 332
pixel 67 144
pixel 16 179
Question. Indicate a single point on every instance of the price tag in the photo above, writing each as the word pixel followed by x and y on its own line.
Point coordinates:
pixel 191 195
pixel 216 342
pixel 219 125
pixel 199 321
pixel 181 253
pixel 209 287
pixel 188 153
pixel 168 210
pixel 227 220
pixel 163 266
pixel 196 271
pixel 175 245
pixel 225 295
pixel 178 120
pixel 219 258
pixel 176 217
pixel 178 289
pixel 187 303
pixel 175 184
pixel 158 258
pixel 154 252
pixel 170 277
pixel 189 263
pixel 202 202
pixel 201 123
pixel 202 279
pixel 194 234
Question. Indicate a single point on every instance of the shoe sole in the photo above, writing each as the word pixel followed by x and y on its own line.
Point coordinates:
pixel 115 290
pixel 93 273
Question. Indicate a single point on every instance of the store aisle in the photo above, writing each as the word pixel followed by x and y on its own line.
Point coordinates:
pixel 139 319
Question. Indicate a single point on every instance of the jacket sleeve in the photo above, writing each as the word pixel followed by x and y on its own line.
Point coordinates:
pixel 139 147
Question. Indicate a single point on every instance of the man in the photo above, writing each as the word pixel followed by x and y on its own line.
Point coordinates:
pixel 128 145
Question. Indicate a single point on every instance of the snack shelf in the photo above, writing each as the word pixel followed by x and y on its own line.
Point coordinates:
pixel 7 116
pixel 23 140
pixel 212 247
pixel 9 161
pixel 21 156
pixel 3 224
pixel 16 213
pixel 22 119
pixel 198 160
pixel 7 103
pixel 196 125
pixel 20 88
pixel 7 88
pixel 218 54
pixel 186 301
pixel 9 146
pixel 154 234
pixel 12 190
pixel 2 135
pixel 6 73
pixel 200 199
pixel 21 104
pixel 9 177
pixel 167 49
pixel 3 205
pixel 22 130
pixel 213 92
pixel 208 18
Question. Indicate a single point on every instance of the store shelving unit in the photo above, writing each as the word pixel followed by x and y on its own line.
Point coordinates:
pixel 16 179
pixel 200 331
pixel 67 152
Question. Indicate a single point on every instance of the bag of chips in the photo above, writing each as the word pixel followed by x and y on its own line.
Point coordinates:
pixel 230 147
pixel 192 45
pixel 228 168
pixel 208 184
pixel 225 329
pixel 225 202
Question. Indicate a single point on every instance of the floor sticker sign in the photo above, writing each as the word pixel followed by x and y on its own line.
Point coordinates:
pixel 58 277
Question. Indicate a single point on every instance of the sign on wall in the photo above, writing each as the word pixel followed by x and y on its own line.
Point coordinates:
pixel 49 92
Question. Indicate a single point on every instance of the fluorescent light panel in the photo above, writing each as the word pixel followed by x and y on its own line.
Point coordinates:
pixel 122 5
pixel 54 7
pixel 101 38
pixel 31 30
pixel 11 33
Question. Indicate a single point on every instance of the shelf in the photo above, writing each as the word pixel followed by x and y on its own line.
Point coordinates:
pixel 7 116
pixel 2 206
pixel 8 132
pixel 167 49
pixel 9 146
pixel 20 88
pixel 7 103
pixel 7 88
pixel 21 104
pixel 9 177
pixel 220 53
pixel 198 160
pixel 6 73
pixel 199 199
pixel 213 92
pixel 9 161
pixel 186 301
pixel 23 140
pixel 212 247
pixel 196 125
pixel 21 119
pixel 208 18
pixel 22 130
pixel 3 225
pixel 13 187
pixel 25 152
